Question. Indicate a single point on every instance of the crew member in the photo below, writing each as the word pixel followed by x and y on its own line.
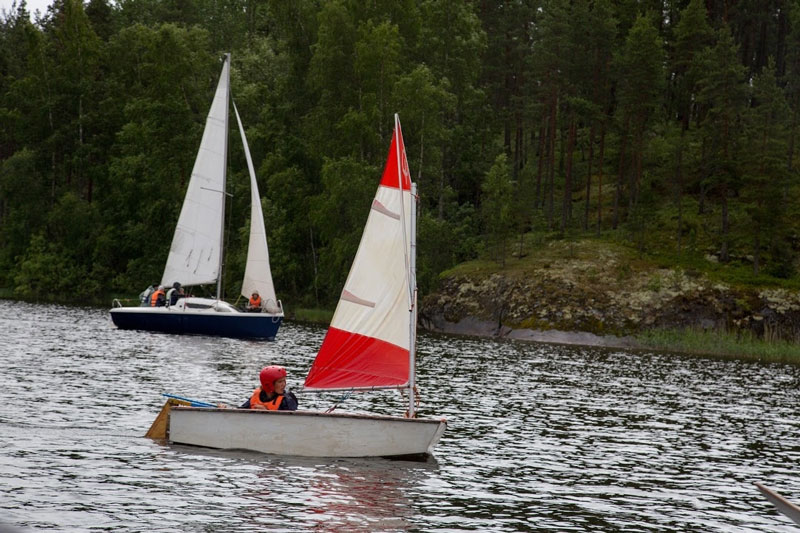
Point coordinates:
pixel 272 394
pixel 254 305
pixel 158 298
pixel 175 293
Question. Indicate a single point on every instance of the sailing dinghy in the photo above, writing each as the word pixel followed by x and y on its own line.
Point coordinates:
pixel 197 251
pixel 370 345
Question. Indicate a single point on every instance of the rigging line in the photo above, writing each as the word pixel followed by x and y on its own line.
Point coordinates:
pixel 344 397
pixel 226 69
pixel 416 400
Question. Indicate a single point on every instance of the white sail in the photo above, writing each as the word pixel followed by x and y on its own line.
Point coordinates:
pixel 195 254
pixel 257 274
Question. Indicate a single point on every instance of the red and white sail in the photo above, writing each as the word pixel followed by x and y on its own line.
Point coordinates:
pixel 369 340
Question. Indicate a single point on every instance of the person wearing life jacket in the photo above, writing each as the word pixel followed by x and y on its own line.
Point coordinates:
pixel 254 305
pixel 175 294
pixel 272 394
pixel 144 296
pixel 158 298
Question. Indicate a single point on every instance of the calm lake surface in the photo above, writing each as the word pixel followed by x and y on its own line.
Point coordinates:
pixel 540 437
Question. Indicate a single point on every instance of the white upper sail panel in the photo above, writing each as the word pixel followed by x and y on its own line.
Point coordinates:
pixel 257 274
pixel 194 256
pixel 374 302
pixel 369 342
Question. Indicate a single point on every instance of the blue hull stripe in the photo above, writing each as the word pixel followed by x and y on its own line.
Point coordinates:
pixel 219 324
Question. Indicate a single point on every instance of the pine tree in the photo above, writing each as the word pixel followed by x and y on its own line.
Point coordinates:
pixel 497 206
pixel 723 93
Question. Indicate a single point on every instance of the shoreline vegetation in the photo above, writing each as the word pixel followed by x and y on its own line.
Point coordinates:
pixel 739 345
pixel 594 291
pixel 686 341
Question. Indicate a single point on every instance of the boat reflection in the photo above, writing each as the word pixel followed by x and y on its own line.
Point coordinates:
pixel 354 495
pixel 337 495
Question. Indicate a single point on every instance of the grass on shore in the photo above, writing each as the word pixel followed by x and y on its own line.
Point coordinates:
pixel 719 343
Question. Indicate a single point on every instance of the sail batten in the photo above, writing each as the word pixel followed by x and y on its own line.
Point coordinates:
pixel 379 207
pixel 368 341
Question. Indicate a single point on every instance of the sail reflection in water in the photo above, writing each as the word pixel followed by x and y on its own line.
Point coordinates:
pixel 542 437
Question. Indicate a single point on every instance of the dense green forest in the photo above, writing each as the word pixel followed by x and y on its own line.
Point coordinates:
pixel 666 124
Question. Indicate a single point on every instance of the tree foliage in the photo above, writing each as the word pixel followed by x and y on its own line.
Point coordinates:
pixel 666 122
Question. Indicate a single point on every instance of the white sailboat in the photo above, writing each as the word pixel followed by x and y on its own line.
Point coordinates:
pixel 197 251
pixel 370 345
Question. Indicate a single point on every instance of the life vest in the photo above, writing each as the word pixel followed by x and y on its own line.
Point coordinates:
pixel 154 298
pixel 255 302
pixel 271 405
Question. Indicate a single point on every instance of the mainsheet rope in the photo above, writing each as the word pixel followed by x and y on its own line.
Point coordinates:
pixel 344 397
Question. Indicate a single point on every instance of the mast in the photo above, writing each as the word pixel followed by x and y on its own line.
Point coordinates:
pixel 412 275
pixel 410 261
pixel 224 179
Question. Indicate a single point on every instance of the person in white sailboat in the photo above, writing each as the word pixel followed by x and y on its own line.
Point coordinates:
pixel 158 298
pixel 144 296
pixel 254 304
pixel 175 294
pixel 272 394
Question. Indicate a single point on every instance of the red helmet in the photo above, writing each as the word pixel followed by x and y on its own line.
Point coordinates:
pixel 269 375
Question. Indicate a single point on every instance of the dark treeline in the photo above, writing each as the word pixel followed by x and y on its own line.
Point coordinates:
pixel 665 123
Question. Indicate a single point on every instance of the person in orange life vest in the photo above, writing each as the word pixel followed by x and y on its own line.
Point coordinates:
pixel 254 305
pixel 272 394
pixel 158 299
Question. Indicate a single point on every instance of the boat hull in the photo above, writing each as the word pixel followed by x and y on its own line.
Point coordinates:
pixel 180 320
pixel 305 433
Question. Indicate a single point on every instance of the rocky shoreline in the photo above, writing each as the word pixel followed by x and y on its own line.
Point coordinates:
pixel 478 328
pixel 599 299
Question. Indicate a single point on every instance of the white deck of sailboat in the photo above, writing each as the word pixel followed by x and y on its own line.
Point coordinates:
pixel 193 304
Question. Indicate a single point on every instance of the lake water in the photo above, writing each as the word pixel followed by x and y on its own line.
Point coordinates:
pixel 540 437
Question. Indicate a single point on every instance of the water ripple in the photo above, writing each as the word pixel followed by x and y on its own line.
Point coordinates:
pixel 540 437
